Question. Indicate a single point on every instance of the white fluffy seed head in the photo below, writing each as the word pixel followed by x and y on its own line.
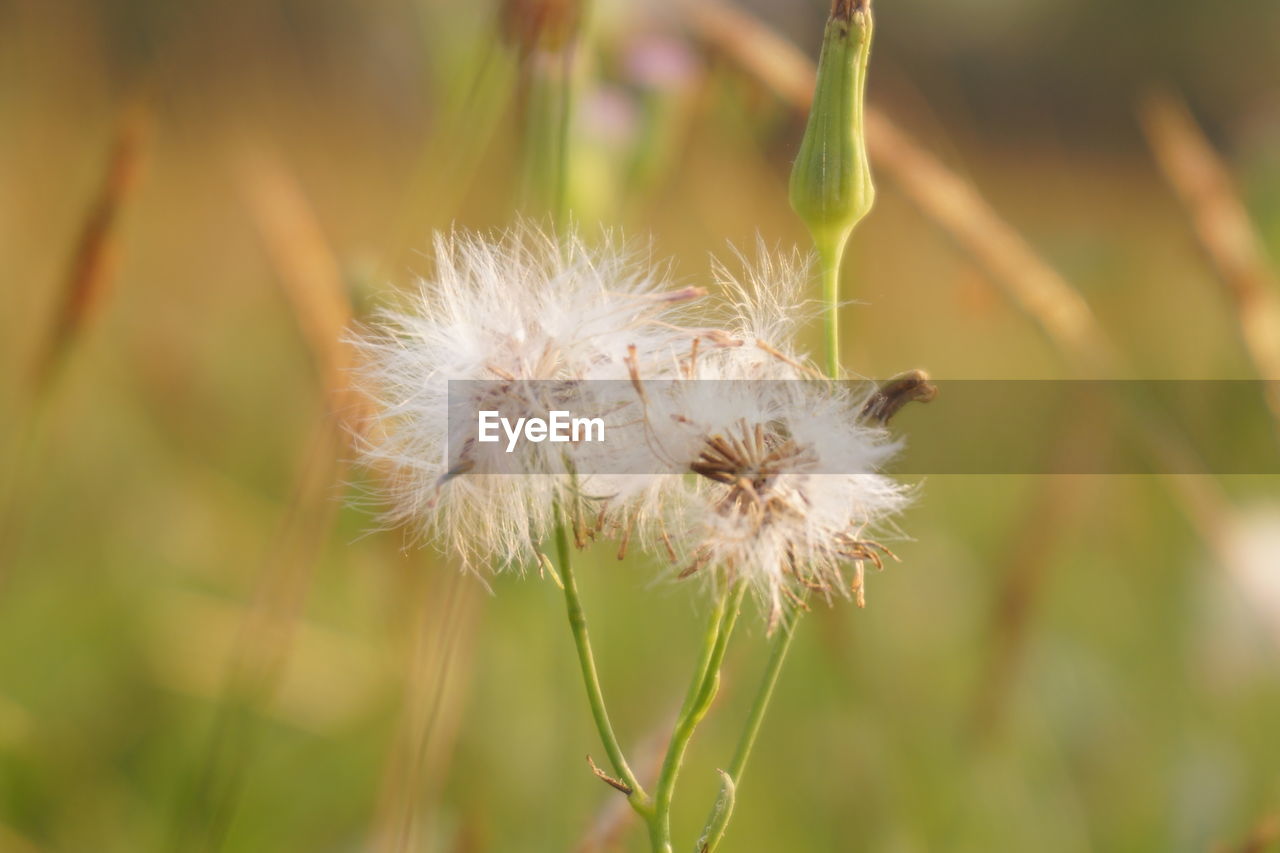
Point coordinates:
pixel 785 492
pixel 500 311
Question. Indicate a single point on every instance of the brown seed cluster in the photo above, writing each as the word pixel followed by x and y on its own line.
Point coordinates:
pixel 747 460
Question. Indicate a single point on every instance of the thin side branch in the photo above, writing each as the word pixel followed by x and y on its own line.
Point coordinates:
pixel 591 679
pixel 609 780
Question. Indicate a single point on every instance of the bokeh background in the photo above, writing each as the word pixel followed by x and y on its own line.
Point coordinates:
pixel 206 643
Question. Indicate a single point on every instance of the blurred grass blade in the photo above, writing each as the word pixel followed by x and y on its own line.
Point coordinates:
pixel 1022 575
pixel 961 211
pixel 431 713
pixel 308 272
pixel 545 34
pixel 95 258
pixel 91 268
pixel 1223 226
pixel 443 173
pixel 261 652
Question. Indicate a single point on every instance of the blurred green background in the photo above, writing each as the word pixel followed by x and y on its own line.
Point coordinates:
pixel 203 646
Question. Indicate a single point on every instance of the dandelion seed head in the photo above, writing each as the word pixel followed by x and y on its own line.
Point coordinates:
pixel 524 319
pixel 786 490
pixel 788 503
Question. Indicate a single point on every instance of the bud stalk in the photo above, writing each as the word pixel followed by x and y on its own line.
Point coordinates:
pixel 831 187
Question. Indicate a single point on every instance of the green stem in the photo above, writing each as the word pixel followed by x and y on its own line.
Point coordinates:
pixel 560 208
pixel 830 253
pixel 547 135
pixel 778 656
pixel 702 690
pixel 578 626
pixel 831 190
pixel 719 819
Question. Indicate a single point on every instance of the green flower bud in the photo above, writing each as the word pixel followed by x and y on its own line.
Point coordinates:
pixel 831 180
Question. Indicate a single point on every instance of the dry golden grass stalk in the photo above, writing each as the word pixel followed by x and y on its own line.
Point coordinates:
pixel 1222 225
pixel 313 282
pixel 310 274
pixel 90 271
pixel 1013 265
pixel 95 258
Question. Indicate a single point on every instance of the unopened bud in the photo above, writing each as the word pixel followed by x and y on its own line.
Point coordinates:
pixel 831 180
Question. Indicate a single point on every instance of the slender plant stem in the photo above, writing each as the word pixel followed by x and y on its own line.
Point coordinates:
pixel 718 821
pixel 578 626
pixel 777 657
pixel 547 142
pixel 560 206
pixel 702 690
pixel 830 253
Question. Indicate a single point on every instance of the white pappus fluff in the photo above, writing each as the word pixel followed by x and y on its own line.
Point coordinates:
pixel 497 312
pixel 786 492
